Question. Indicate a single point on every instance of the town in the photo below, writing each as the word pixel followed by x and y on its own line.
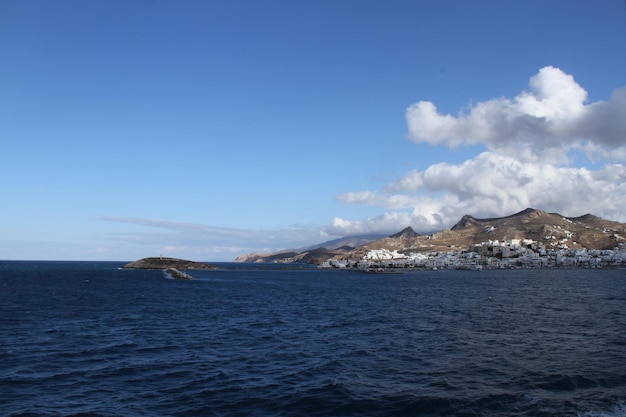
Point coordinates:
pixel 512 254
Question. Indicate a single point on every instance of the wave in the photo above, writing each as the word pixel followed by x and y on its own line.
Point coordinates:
pixel 291 343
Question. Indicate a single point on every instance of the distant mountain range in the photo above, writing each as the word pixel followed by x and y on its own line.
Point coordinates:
pixel 312 254
pixel 551 229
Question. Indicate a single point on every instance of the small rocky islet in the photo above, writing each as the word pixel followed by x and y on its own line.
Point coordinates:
pixel 164 263
pixel 172 266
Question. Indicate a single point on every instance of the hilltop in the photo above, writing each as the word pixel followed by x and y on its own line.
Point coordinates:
pixel 552 230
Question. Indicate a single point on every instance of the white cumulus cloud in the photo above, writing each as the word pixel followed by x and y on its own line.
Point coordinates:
pixel 542 123
pixel 528 163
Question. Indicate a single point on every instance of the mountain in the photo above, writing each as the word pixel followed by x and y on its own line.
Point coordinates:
pixel 550 229
pixel 346 241
pixel 312 254
pixel 407 233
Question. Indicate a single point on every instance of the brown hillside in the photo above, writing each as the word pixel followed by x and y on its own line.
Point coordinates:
pixel 552 229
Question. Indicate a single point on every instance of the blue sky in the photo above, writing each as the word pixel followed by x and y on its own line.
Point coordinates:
pixel 209 129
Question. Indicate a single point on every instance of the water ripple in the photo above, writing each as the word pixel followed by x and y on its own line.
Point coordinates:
pixel 317 343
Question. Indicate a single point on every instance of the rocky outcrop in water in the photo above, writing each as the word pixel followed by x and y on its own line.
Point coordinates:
pixel 165 263
pixel 176 274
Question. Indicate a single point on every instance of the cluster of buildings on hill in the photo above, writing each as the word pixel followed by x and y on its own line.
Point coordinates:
pixel 516 253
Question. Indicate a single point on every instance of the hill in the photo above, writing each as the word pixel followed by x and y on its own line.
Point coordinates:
pixel 552 230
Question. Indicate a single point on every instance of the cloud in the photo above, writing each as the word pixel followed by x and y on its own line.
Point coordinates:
pixel 192 240
pixel 530 140
pixel 540 124
pixel 427 215
pixel 495 185
pixel 604 122
pixel 366 197
pixel 382 224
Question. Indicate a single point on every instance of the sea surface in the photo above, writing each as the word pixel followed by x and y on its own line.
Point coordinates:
pixel 88 339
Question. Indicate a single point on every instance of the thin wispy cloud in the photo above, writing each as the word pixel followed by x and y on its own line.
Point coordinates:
pixel 174 237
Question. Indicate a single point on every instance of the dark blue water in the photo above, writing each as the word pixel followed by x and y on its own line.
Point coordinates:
pixel 88 339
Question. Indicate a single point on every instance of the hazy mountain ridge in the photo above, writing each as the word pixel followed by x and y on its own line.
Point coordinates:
pixel 346 241
pixel 311 254
pixel 551 229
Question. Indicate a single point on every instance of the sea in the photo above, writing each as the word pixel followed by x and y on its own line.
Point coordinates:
pixel 91 339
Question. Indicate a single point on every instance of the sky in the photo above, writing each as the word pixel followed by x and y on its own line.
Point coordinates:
pixel 209 129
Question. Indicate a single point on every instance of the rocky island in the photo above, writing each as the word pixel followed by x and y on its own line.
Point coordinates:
pixel 165 263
